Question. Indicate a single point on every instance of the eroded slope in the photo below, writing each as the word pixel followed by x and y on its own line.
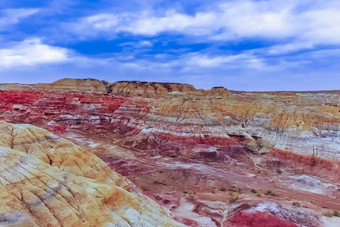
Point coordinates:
pixel 48 181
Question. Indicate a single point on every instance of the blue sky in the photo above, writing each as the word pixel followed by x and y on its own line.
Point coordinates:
pixel 239 44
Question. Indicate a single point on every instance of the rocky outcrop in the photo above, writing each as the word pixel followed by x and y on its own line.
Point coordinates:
pixel 150 89
pixel 48 181
pixel 84 85
pixel 121 88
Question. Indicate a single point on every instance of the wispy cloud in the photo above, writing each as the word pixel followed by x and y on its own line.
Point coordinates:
pixel 10 17
pixel 244 60
pixel 99 22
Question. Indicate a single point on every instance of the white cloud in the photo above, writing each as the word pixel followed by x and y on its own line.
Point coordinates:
pixel 31 52
pixel 148 24
pixel 13 16
pixel 305 24
pixel 144 23
pixel 236 19
pixel 321 26
pixel 255 19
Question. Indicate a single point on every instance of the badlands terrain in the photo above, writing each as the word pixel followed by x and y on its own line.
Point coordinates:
pixel 130 153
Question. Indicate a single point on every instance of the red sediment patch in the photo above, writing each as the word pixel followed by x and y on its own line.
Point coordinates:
pixel 309 164
pixel 20 97
pixel 107 103
pixel 186 221
pixel 256 219
pixel 57 129
pixel 10 98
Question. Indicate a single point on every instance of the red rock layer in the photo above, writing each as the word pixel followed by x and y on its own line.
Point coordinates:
pixel 308 164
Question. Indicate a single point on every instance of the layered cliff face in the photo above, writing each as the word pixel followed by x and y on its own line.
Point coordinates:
pixel 196 151
pixel 49 181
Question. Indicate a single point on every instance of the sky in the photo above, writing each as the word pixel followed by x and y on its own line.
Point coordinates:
pixel 252 45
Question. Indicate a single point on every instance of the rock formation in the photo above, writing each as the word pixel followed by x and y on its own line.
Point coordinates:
pixel 86 85
pixel 48 181
pixel 196 151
